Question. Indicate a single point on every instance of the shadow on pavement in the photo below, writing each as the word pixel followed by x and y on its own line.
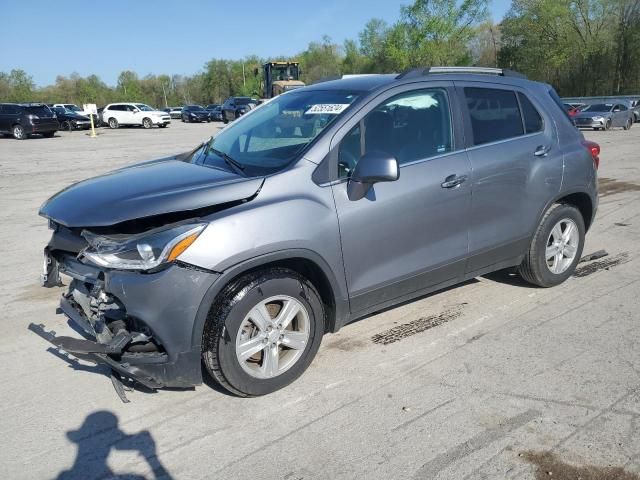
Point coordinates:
pixel 97 436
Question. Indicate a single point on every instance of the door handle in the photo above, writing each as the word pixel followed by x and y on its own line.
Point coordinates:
pixel 453 181
pixel 541 151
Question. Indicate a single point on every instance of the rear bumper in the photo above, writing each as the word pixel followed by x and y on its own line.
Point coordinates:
pixel 140 324
pixel 51 126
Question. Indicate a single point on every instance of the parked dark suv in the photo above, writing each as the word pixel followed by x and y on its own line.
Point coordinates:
pixel 234 107
pixel 23 120
pixel 317 208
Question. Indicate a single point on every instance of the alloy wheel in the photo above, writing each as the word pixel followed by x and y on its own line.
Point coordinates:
pixel 18 132
pixel 272 337
pixel 562 246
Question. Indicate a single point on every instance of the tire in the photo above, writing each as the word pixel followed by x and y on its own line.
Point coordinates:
pixel 147 123
pixel 113 123
pixel 18 132
pixel 48 134
pixel 627 125
pixel 162 125
pixel 607 126
pixel 535 267
pixel 230 320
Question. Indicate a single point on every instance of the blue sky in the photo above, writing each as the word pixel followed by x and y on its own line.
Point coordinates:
pixel 47 38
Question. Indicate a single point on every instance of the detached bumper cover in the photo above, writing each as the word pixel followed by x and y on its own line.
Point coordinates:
pixel 160 306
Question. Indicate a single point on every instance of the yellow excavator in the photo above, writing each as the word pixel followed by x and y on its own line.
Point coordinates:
pixel 280 77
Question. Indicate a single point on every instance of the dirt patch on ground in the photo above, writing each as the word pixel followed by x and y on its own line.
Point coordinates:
pixel 611 186
pixel 549 466
pixel 416 326
pixel 604 264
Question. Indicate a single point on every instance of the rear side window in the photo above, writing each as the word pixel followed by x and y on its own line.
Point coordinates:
pixel 531 116
pixel 495 114
pixel 38 110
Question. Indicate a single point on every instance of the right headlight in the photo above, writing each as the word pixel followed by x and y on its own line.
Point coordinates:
pixel 598 119
pixel 140 252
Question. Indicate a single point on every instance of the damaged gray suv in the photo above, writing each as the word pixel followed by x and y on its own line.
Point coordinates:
pixel 324 205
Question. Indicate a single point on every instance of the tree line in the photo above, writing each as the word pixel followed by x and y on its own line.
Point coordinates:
pixel 581 47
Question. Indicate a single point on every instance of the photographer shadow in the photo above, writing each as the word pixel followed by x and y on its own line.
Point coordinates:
pixel 97 436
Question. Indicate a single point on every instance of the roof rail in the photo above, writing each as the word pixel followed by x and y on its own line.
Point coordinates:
pixel 420 72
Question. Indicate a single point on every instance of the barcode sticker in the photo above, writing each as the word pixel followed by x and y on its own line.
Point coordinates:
pixel 327 108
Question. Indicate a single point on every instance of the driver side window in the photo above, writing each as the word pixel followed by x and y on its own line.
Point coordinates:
pixel 411 126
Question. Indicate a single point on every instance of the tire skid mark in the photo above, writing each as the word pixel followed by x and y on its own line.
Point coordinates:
pixel 421 324
pixel 604 264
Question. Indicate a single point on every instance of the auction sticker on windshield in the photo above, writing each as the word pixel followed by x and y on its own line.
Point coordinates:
pixel 331 108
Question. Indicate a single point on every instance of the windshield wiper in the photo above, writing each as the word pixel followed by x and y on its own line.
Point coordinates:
pixel 230 161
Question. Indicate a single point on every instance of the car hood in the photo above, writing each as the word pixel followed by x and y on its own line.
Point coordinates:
pixel 592 114
pixel 145 190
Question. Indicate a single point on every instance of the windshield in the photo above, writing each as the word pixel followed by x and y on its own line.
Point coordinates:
pixel 195 108
pixel 598 107
pixel 275 133
pixel 73 108
pixel 243 100
pixel 144 108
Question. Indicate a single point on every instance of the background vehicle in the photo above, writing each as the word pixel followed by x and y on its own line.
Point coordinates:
pixel 634 104
pixel 174 112
pixel 603 116
pixel 194 113
pixel 235 107
pixel 70 120
pixel 23 120
pixel 316 210
pixel 572 110
pixel 215 111
pixel 279 77
pixel 77 110
pixel 116 114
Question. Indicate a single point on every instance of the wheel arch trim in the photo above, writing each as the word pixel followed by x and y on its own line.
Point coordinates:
pixel 337 288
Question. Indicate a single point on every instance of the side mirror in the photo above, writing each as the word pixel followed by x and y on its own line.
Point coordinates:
pixel 135 110
pixel 372 167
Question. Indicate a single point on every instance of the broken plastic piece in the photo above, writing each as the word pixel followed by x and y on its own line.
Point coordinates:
pixel 594 256
pixel 116 380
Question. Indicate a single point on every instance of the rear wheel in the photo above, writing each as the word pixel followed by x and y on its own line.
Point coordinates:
pixel 48 134
pixel 18 132
pixel 162 125
pixel 147 123
pixel 607 126
pixel 556 247
pixel 627 125
pixel 113 123
pixel 263 332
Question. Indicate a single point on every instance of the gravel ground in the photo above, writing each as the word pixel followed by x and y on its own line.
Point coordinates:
pixel 491 379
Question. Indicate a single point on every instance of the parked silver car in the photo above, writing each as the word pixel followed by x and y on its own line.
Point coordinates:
pixel 603 116
pixel 315 209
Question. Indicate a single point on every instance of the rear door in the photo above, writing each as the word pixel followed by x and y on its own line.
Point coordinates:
pixel 409 234
pixel 517 167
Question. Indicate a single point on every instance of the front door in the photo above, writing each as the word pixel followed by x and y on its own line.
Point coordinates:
pixel 409 234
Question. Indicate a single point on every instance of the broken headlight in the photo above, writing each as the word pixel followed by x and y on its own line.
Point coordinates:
pixel 140 252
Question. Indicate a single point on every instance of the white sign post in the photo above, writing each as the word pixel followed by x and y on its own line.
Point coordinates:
pixel 93 110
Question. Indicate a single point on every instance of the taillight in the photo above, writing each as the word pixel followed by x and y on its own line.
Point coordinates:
pixel 594 150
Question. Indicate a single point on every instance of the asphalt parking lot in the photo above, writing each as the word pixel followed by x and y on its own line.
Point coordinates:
pixel 491 379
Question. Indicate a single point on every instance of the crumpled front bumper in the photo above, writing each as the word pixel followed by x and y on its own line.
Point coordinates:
pixel 140 324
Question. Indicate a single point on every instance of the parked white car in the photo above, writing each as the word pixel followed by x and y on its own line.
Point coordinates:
pixel 116 114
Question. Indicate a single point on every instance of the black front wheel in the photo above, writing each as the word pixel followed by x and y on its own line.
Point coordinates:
pixel 263 332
